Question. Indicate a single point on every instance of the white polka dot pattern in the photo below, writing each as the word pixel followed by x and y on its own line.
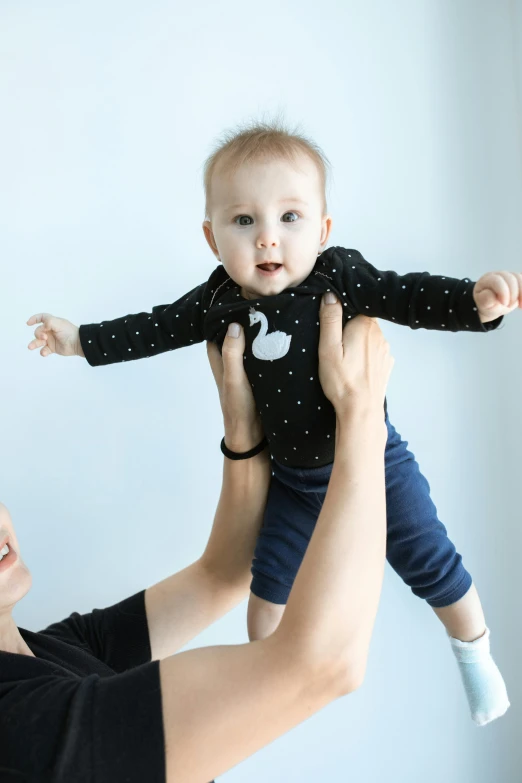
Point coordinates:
pixel 287 389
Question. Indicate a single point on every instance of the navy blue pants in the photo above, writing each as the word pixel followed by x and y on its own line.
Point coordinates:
pixel 418 547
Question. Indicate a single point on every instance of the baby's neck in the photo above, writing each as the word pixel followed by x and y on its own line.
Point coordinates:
pixel 248 294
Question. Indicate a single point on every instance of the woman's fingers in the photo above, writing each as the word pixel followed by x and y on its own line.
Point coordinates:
pixel 331 327
pixel 243 429
pixel 354 360
pixel 370 355
pixel 232 352
pixel 361 330
pixel 227 366
pixel 216 363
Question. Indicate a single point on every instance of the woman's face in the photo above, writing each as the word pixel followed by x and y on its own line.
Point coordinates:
pixel 15 578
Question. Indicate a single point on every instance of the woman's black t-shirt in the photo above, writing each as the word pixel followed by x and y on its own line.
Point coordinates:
pixel 87 708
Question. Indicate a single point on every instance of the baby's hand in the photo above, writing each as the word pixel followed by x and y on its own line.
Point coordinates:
pixel 497 293
pixel 55 336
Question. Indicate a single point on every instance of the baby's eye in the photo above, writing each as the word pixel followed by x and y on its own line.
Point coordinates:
pixel 242 217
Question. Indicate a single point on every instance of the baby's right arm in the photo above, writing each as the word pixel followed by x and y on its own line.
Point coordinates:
pixel 146 334
pixel 55 335
pixel 137 336
pixel 124 339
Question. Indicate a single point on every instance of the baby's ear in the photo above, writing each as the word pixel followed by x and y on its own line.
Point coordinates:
pixel 209 236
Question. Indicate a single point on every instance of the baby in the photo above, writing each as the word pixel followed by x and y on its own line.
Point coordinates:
pixel 267 224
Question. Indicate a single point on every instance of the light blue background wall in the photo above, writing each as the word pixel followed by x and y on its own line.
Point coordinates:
pixel 108 110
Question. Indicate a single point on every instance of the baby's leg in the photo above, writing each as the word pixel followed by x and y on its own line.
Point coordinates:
pixel 263 617
pixel 469 636
pixel 293 506
pixel 464 619
pixel 419 550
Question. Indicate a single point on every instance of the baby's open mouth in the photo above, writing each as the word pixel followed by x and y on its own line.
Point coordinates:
pixel 269 267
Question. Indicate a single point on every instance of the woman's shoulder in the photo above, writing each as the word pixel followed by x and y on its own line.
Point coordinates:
pixel 117 635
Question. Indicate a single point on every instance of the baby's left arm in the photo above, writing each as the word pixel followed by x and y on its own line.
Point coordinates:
pixel 418 299
pixel 497 294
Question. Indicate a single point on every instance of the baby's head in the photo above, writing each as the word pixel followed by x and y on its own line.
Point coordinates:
pixel 265 210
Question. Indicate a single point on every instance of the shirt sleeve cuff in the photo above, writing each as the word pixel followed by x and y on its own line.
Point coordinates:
pixel 90 346
pixel 468 313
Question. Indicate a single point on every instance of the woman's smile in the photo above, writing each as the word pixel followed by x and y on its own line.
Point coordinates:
pixel 8 557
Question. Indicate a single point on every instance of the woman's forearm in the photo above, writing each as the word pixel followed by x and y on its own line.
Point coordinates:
pixel 318 652
pixel 262 689
pixel 239 514
pixel 184 604
pixel 181 606
pixel 334 599
pixel 345 556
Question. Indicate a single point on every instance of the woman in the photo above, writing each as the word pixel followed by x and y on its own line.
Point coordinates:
pixel 103 698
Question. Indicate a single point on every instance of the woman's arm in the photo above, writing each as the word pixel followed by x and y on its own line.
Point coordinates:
pixel 181 606
pixel 221 704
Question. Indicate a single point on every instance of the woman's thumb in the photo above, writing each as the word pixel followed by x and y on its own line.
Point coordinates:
pixel 232 351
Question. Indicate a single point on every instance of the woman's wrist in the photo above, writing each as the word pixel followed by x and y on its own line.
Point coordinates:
pixel 241 439
pixel 363 418
pixel 353 405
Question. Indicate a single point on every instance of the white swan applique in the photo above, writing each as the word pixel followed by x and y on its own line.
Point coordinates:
pixel 268 346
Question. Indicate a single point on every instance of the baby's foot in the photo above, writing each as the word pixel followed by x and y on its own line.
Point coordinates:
pixel 483 682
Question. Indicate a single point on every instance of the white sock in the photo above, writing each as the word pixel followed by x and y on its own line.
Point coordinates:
pixel 483 683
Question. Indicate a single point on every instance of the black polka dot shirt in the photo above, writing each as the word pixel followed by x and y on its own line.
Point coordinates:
pixel 282 337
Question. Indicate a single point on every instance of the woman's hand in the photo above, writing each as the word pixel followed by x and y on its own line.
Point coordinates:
pixel 243 428
pixel 355 363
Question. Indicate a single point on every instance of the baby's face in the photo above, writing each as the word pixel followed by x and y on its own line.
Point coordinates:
pixel 267 224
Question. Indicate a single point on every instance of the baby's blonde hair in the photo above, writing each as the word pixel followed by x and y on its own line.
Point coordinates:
pixel 257 141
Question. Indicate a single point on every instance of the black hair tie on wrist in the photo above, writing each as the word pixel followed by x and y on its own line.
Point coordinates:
pixel 246 454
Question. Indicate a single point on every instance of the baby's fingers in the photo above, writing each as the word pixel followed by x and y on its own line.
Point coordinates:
pixel 40 338
pixel 39 318
pixel 503 286
pixel 37 344
pixel 40 333
pixel 512 283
